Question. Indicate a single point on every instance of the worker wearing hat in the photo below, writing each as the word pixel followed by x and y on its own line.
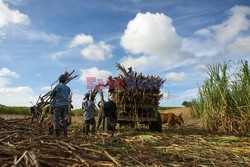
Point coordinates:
pixel 60 95
pixel 130 71
pixel 88 107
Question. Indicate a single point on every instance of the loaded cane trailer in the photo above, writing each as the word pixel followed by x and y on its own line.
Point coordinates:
pixel 138 104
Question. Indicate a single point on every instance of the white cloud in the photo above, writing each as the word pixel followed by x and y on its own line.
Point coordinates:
pixel 4 81
pixel 203 32
pixel 151 34
pixel 94 72
pixel 97 52
pixel 188 95
pixel 19 96
pixel 11 16
pixel 153 37
pixel 176 76
pixel 6 75
pixel 38 36
pixel 201 68
pixel 176 99
pixel 240 46
pixel 14 96
pixel 81 39
pixel 5 72
pixel 138 64
pixel 201 48
pixel 77 100
pixel 46 88
pixel 88 49
pixel 231 28
pixel 15 2
pixel 60 54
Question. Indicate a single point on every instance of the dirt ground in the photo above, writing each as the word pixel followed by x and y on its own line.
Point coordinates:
pixel 186 145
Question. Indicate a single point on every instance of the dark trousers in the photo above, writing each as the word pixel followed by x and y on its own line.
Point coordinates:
pixel 87 124
pixel 60 123
pixel 111 124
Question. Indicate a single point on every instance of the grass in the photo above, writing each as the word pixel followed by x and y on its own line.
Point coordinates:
pixel 77 112
pixel 223 103
pixel 14 110
pixel 25 110
pixel 166 107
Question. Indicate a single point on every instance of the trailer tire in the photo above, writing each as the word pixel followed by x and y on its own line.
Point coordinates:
pixel 156 125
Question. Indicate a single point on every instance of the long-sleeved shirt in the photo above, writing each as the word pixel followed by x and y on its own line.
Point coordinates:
pixel 60 95
pixel 88 108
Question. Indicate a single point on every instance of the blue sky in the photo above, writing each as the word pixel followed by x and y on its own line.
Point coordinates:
pixel 173 39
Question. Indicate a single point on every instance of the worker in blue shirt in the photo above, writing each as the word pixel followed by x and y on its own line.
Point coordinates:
pixel 60 102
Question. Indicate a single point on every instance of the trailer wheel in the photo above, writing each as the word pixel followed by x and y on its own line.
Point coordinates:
pixel 156 125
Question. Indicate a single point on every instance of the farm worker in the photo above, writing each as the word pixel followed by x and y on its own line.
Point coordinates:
pixel 40 106
pixel 88 107
pixel 111 84
pixel 60 95
pixel 32 113
pixel 100 114
pixel 130 72
pixel 110 112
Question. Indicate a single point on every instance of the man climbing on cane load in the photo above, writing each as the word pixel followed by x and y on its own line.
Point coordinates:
pixel 60 95
pixel 88 107
pixel 130 71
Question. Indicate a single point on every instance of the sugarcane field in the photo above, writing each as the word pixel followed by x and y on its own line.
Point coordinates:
pixel 142 135
pixel 125 83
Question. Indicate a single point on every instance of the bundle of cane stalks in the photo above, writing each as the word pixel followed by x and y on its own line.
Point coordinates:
pixel 137 92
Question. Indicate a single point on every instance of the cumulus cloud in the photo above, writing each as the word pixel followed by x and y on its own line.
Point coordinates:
pixel 10 16
pixel 201 67
pixel 90 50
pixel 137 63
pixel 231 28
pixel 203 32
pixel 81 39
pixel 15 2
pixel 14 96
pixel 5 72
pixel 94 72
pixel 176 76
pixel 46 88
pixel 240 46
pixel 153 37
pixel 97 52
pixel 19 96
pixel 6 75
pixel 151 34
